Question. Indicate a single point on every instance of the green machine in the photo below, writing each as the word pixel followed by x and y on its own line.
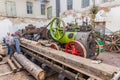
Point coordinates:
pixel 74 39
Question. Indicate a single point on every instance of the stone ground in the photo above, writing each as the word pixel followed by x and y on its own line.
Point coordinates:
pixel 108 58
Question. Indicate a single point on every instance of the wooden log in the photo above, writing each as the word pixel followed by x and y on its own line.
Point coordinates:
pixel 12 66
pixel 32 68
pixel 1 58
pixel 16 63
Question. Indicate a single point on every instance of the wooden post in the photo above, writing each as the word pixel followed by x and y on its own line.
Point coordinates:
pixel 12 66
pixel 32 68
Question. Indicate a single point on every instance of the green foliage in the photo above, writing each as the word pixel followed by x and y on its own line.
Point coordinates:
pixel 94 10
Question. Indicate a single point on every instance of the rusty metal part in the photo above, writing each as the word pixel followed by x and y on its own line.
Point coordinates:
pixel 87 39
pixel 70 62
pixel 54 46
pixel 112 43
pixel 30 30
pixel 32 68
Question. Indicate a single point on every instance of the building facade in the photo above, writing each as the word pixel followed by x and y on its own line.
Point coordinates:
pixel 49 8
pixel 77 5
pixel 22 8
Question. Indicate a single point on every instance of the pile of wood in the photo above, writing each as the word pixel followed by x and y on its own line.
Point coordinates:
pixel 3 51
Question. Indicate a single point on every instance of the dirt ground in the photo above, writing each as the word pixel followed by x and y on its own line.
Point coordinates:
pixel 106 57
pixel 110 58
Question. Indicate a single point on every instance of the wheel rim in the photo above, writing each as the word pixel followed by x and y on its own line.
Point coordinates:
pixel 54 46
pixel 112 43
pixel 97 48
pixel 75 48
pixel 57 30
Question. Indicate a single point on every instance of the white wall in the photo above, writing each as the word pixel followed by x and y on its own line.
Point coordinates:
pixel 113 19
pixel 21 10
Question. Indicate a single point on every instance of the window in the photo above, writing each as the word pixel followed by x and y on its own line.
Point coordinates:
pixel 49 12
pixel 42 9
pixel 105 0
pixel 11 8
pixel 85 3
pixel 69 4
pixel 29 8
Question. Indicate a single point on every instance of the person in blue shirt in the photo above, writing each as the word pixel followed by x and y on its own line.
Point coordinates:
pixel 17 44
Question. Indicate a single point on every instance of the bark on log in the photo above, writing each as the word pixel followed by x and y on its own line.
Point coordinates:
pixel 32 68
pixel 12 66
pixel 16 63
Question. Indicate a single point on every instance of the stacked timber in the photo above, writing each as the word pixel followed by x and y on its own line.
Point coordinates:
pixel 30 42
pixel 73 63
pixel 32 68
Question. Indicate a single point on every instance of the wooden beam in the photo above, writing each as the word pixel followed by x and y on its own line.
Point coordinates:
pixel 86 66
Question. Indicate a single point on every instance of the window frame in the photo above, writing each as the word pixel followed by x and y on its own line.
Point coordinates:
pixel 43 12
pixel 84 5
pixel 69 4
pixel 29 6
pixel 105 1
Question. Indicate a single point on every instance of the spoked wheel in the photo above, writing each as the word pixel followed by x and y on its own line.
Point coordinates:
pixel 112 43
pixel 54 46
pixel 97 48
pixel 76 48
pixel 57 29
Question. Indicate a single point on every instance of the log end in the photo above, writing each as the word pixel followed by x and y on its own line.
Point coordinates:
pixel 41 75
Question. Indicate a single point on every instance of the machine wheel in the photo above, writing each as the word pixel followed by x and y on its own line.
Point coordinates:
pixel 54 46
pixel 112 43
pixel 76 48
pixel 97 48
pixel 57 28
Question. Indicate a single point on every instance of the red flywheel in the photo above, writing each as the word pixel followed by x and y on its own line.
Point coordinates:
pixel 76 48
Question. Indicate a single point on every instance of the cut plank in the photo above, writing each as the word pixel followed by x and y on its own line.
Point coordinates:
pixel 86 66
